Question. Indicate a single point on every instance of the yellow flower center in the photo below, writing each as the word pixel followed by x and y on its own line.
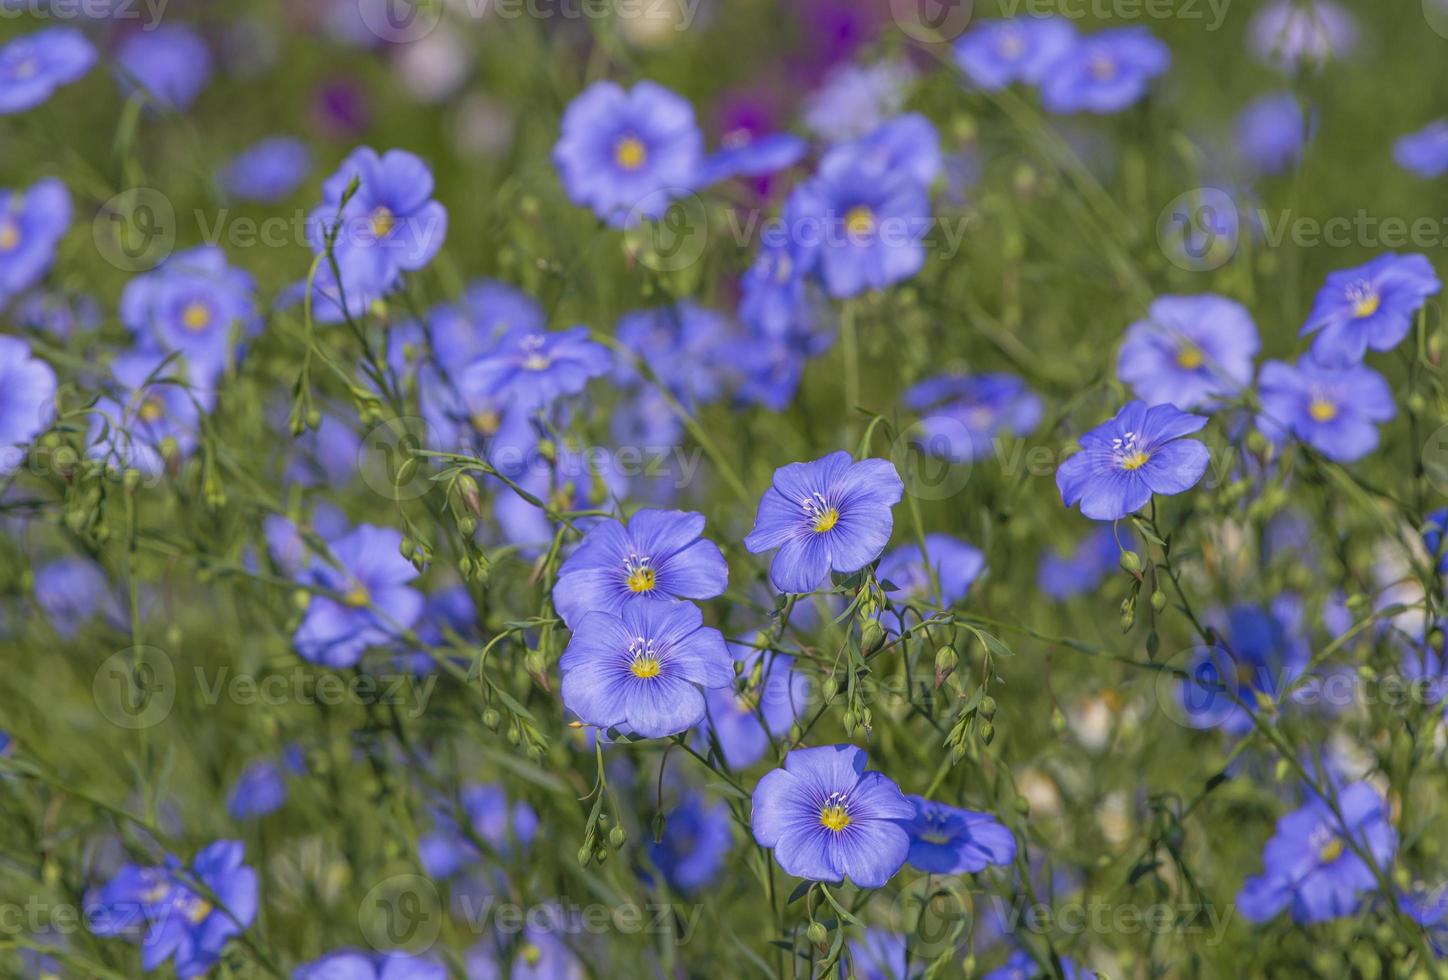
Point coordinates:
pixel 644 667
pixel 383 221
pixel 24 69
pixel 199 911
pixel 358 596
pixel 859 220
pixel 827 519
pixel 1135 461
pixel 9 236
pixel 150 410
pixel 1367 306
pixel 196 317
pixel 531 954
pixel 1331 851
pixel 486 421
pixel 834 817
pixel 1011 45
pixel 1322 410
pixel 1190 357
pixel 629 153
pixel 1103 68
pixel 641 579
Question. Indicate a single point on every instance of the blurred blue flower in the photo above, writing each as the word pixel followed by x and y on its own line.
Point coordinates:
pixel 743 720
pixel 628 153
pixel 58 314
pixel 194 303
pixel 906 144
pixel 642 671
pixel 1021 965
pixel 880 955
pixel 34 65
pixel 372 602
pixel 267 172
pixel 153 418
pixel 747 155
pixel 27 401
pixel 964 415
pixel 184 925
pixel 1429 908
pixel 1334 410
pixel 32 222
pixel 1308 865
pixel 1424 153
pixel 683 344
pixel 660 556
pixel 1272 132
pixel 828 819
pixel 1370 307
pixel 854 99
pixel 354 965
pixel 1287 35
pixel 995 53
pixel 831 514
pixel 1124 461
pixel 73 591
pixel 1189 351
pixel 696 839
pixel 1095 556
pixel 954 565
pixel 946 840
pixel 261 789
pixel 506 828
pixel 169 62
pixel 530 369
pixel 1105 72
pixel 1263 652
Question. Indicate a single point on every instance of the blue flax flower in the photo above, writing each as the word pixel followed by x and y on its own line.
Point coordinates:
pixel 1136 454
pixel 880 955
pixel 448 849
pixel 193 303
pixel 32 67
pixel 155 418
pixel 695 842
pixel 391 225
pixel 660 556
pixel 954 565
pixel 372 598
pixel 1105 72
pixel 532 368
pixel 744 718
pixel 268 171
pixel 27 401
pixel 1334 410
pixel 831 514
pixel 745 155
pixel 1424 153
pixel 32 222
pixel 184 925
pixel 996 53
pixel 828 819
pixel 170 63
pixel 1095 556
pixel 259 790
pixel 1272 132
pixel 1287 35
pixel 1369 307
pixel 1189 351
pixel 622 150
pixel 1429 909
pixel 355 965
pixel 947 840
pixel 1263 655
pixel 641 671
pixel 1021 965
pixel 1308 866
pixel 965 414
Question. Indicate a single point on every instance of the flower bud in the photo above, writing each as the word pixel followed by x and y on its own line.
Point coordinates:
pixel 872 636
pixel 617 836
pixel 817 933
pixel 1131 562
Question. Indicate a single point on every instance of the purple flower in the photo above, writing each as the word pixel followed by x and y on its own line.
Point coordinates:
pixel 1287 34
pixel 854 99
pixel 1369 307
pixel 59 314
pixel 261 789
pixel 391 225
pixel 169 62
pixel 193 303
pixel 1272 132
pixel 1334 410
pixel 954 565
pixel 742 720
pixel 1105 72
pixel 1021 965
pixel 696 840
pixel 771 366
pixel 775 291
pixel 965 414
pixel 946 840
pixel 1424 153
pixel 641 671
pixel 831 514
pixel 660 556
pixel 72 591
pixel 828 819
pixel 869 223
pixel 353 965
pixel 372 599
pixel 268 171
pixel 907 145
pixel 531 369
pixel 1429 908
pixel 1189 351
pixel 1096 555
pixel 32 222
pixel 27 401
pixel 448 849
pixel 32 67
pixel 154 417
pixel 624 152
pixel 683 344
pixel 184 925
pixel 996 53
pixel 1136 454
pixel 1264 653
pixel 1308 865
